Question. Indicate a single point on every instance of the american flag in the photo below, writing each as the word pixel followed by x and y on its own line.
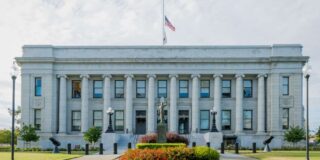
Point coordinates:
pixel 169 24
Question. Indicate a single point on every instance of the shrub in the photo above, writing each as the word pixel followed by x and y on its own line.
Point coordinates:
pixel 149 138
pixel 205 153
pixel 176 138
pixel 159 145
pixel 294 134
pixel 175 153
pixel 92 135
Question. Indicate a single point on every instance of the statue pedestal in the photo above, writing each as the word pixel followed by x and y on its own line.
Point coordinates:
pixel 162 131
pixel 108 139
pixel 215 139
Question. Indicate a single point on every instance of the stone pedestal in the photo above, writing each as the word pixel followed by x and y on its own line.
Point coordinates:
pixel 215 139
pixel 107 139
pixel 162 131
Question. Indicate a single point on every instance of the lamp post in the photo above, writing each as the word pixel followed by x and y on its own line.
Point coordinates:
pixel 14 74
pixel 306 72
pixel 214 127
pixel 110 113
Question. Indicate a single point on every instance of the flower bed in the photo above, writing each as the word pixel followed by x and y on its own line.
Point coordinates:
pixel 171 138
pixel 172 153
pixel 159 145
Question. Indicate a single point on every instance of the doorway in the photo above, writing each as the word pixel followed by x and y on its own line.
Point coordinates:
pixel 183 122
pixel 140 122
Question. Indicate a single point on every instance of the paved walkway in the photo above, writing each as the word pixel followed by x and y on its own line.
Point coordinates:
pixel 226 156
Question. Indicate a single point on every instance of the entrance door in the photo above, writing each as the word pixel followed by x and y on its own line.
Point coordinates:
pixel 140 122
pixel 183 122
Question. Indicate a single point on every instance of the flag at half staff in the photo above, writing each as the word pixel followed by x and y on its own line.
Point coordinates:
pixel 169 24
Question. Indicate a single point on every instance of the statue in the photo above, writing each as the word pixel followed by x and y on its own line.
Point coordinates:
pixel 161 127
pixel 161 110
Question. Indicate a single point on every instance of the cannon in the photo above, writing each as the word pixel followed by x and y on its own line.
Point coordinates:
pixel 266 143
pixel 56 144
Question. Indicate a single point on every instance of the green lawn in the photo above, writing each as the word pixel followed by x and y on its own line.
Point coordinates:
pixel 37 156
pixel 282 155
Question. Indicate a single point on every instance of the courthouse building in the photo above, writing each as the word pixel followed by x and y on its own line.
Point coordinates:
pixel 256 90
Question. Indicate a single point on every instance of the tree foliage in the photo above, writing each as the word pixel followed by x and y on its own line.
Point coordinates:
pixel 294 134
pixel 28 134
pixel 17 115
pixel 318 135
pixel 5 136
pixel 92 135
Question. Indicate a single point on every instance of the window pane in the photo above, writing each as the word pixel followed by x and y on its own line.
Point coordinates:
pixel 247 119
pixel 98 84
pixel 119 83
pixel 285 90
pixel 38 86
pixel 119 120
pixel 205 83
pixel 226 83
pixel 162 83
pixel 204 114
pixel 247 92
pixel 285 80
pixel 76 89
pixel 183 83
pixel 247 83
pixel 141 83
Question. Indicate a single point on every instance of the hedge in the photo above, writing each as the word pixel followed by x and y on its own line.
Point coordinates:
pixel 159 145
pixel 174 153
pixel 204 153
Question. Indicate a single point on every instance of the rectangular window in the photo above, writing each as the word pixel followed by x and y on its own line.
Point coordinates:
pixel 76 121
pixel 37 119
pixel 205 89
pixel 162 88
pixel 38 86
pixel 226 88
pixel 204 119
pixel 285 86
pixel 285 118
pixel 97 119
pixel 97 89
pixel 119 89
pixel 247 119
pixel 247 88
pixel 226 120
pixel 76 89
pixel 183 89
pixel 119 120
pixel 141 89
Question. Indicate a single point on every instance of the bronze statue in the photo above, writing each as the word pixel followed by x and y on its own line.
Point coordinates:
pixel 161 109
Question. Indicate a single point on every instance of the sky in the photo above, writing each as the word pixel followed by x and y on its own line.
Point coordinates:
pixel 138 22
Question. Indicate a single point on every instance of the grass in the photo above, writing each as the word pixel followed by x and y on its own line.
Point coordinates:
pixel 38 156
pixel 281 155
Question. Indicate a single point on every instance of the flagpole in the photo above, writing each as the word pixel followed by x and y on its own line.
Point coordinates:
pixel 163 32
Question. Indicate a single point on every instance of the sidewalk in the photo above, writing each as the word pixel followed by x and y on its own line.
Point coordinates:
pixel 232 156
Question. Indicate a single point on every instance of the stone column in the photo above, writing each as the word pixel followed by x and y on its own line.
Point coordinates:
pixel 239 103
pixel 151 116
pixel 173 127
pixel 106 99
pixel 63 104
pixel 217 99
pixel 275 103
pixel 129 107
pixel 84 102
pixel 195 103
pixel 261 103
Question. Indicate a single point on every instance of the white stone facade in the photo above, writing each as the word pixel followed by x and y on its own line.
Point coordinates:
pixel 264 65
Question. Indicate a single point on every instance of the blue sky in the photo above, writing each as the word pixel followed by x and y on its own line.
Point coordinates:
pixel 132 22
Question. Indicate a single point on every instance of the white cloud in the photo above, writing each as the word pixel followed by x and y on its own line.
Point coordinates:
pixel 131 22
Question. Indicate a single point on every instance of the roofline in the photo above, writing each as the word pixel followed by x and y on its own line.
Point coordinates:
pixel 162 47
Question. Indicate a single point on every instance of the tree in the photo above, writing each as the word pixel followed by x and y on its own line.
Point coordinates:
pixel 5 136
pixel 28 134
pixel 294 134
pixel 318 135
pixel 92 135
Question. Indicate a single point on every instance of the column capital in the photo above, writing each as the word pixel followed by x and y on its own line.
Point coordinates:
pixel 239 76
pixel 106 76
pixel 128 76
pixel 173 76
pixel 217 75
pixel 195 76
pixel 262 75
pixel 62 76
pixel 151 76
pixel 85 76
